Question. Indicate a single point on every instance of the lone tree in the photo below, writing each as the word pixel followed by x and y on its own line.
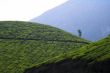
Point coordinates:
pixel 79 33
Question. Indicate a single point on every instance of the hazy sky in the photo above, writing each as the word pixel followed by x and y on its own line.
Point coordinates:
pixel 25 10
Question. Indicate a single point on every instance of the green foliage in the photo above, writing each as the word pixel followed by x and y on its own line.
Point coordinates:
pixel 24 45
pixel 98 51
pixel 95 52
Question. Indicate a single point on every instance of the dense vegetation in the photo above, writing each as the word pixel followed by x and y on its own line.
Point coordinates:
pixel 24 45
pixel 92 58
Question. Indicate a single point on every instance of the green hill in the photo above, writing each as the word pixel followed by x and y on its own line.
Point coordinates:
pixel 24 45
pixel 92 58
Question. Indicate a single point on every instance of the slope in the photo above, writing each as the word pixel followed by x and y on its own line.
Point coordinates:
pixel 80 14
pixel 24 44
pixel 92 58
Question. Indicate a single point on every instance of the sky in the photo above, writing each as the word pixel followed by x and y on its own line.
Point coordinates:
pixel 92 17
pixel 24 10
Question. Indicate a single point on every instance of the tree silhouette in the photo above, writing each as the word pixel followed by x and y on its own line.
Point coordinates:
pixel 79 33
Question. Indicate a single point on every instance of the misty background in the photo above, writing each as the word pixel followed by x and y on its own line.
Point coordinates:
pixel 92 17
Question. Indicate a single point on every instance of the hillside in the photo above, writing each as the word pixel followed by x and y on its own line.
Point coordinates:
pixel 92 58
pixel 24 45
pixel 73 15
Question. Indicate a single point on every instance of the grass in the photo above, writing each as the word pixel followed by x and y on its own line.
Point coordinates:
pixel 95 52
pixel 24 45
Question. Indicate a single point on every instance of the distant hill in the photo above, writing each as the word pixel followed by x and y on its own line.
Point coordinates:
pixel 92 58
pixel 90 16
pixel 25 44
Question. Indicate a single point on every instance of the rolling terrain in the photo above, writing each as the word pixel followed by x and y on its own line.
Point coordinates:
pixel 25 44
pixel 92 58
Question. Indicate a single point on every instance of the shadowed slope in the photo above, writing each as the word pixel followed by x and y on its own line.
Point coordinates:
pixel 93 58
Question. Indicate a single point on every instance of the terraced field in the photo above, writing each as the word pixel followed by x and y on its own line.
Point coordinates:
pixel 91 58
pixel 24 45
